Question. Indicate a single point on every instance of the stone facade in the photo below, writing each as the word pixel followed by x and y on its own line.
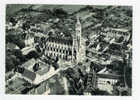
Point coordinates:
pixel 70 49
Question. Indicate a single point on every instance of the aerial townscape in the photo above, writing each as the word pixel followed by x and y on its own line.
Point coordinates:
pixel 68 50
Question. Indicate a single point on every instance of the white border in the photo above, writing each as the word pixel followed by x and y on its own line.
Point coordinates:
pixel 136 48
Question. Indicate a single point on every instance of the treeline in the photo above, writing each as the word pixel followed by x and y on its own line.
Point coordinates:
pixel 15 39
pixel 56 12
pixel 14 58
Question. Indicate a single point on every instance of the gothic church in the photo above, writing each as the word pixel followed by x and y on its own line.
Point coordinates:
pixel 72 50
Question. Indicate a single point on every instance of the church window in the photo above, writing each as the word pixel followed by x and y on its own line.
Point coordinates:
pixel 66 51
pixel 74 51
pixel 70 52
pixel 56 49
pixel 63 51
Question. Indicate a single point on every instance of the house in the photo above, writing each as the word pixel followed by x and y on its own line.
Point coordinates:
pixel 106 80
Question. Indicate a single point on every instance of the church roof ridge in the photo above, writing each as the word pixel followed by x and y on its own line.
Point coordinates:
pixel 60 40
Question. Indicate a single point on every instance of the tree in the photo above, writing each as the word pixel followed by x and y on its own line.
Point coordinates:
pixel 36 67
pixel 59 12
pixel 16 40
pixel 26 26
pixel 101 92
pixel 11 62
pixel 13 21
pixel 19 55
pixel 128 76
pixel 124 93
pixel 55 65
pixel 32 54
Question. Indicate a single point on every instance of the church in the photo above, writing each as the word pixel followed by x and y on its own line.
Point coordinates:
pixel 72 49
pixel 68 49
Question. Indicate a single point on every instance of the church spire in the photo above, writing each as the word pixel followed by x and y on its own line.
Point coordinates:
pixel 78 24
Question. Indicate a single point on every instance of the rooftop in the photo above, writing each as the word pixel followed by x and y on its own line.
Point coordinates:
pixel 67 41
pixel 43 68
pixel 29 72
pixel 110 76
pixel 29 63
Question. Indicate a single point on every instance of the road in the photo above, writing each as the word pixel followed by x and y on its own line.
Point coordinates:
pixel 65 85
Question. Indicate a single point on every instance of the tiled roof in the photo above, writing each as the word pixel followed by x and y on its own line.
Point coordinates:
pixel 29 74
pixel 67 41
pixel 28 63
pixel 110 76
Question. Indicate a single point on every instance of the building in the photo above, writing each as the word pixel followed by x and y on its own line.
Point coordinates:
pixel 69 49
pixel 91 85
pixel 102 80
pixel 31 78
pixel 106 80
pixel 29 39
pixel 115 33
pixel 78 43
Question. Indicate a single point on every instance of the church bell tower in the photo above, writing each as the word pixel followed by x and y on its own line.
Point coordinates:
pixel 78 43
